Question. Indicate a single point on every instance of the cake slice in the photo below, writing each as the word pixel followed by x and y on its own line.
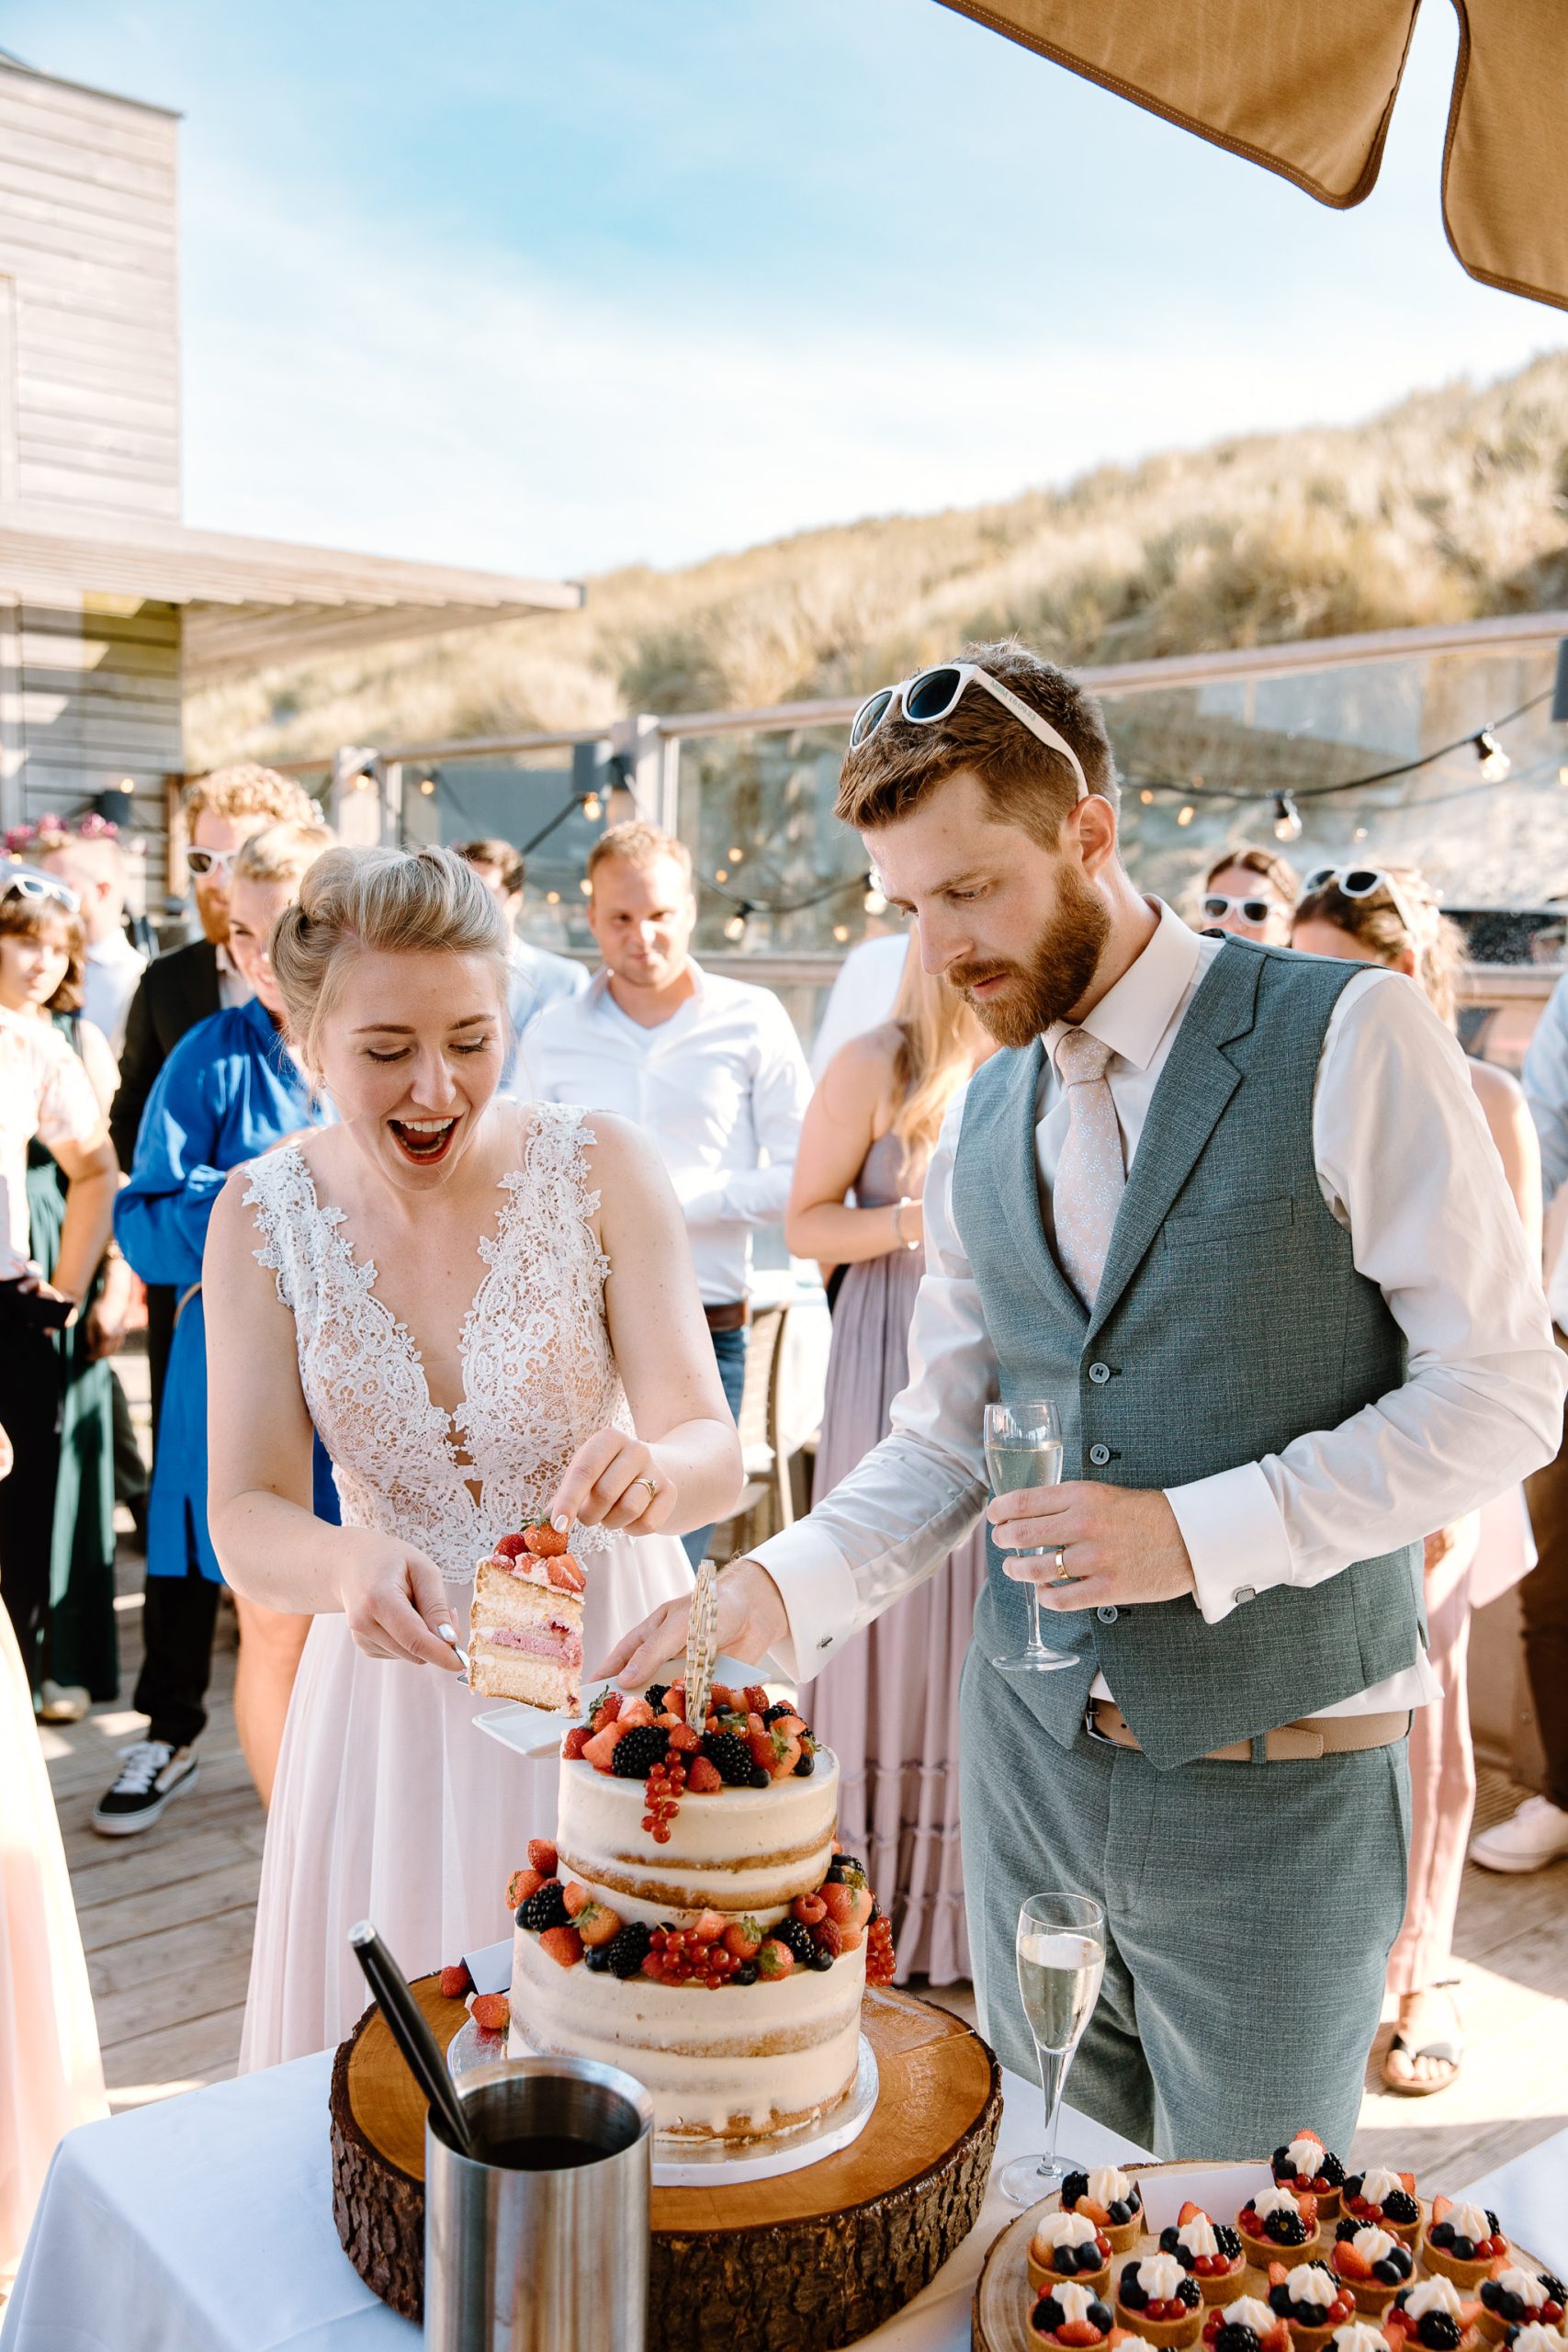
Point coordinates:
pixel 526 1626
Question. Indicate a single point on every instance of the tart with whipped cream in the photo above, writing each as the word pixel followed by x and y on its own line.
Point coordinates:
pixel 1462 2241
pixel 1159 2300
pixel 1111 2201
pixel 1311 2301
pixel 1209 2251
pixel 1430 2316
pixel 1357 2336
pixel 1305 2168
pixel 1516 2298
pixel 1070 2317
pixel 1246 2325
pixel 1277 2226
pixel 1387 2197
pixel 1372 2263
pixel 1533 2336
pixel 1069 2245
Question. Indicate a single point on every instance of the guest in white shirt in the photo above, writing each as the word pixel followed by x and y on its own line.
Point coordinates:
pixel 93 864
pixel 538 978
pixel 710 1066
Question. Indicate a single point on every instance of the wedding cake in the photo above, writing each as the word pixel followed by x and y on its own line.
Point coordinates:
pixel 697 1859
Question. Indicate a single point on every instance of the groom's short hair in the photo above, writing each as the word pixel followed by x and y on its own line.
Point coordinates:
pixel 1028 784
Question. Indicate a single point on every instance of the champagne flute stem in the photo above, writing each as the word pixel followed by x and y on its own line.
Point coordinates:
pixel 1032 1590
pixel 1053 2077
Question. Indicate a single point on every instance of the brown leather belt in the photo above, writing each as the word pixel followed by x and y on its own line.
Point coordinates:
pixel 1313 1736
pixel 733 1315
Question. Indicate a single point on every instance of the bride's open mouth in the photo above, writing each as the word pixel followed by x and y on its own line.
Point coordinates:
pixel 424 1141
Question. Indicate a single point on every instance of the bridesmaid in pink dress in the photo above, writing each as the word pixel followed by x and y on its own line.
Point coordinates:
pixel 888 1707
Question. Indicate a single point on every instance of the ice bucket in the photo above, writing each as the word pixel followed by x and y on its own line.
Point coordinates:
pixel 542 2244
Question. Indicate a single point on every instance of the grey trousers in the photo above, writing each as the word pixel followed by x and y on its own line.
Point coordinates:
pixel 1250 1910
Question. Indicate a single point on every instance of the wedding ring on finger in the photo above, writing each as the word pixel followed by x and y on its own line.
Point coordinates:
pixel 1062 1575
pixel 653 1486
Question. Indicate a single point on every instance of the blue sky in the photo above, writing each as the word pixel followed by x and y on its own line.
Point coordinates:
pixel 556 284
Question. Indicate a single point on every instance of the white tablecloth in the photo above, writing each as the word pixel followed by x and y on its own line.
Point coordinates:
pixel 204 2224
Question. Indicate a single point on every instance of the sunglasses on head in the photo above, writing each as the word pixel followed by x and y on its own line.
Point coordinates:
pixel 25 882
pixel 209 861
pixel 1361 882
pixel 1216 906
pixel 933 694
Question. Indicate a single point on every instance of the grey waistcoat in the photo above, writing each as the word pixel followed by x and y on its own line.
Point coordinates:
pixel 1231 1319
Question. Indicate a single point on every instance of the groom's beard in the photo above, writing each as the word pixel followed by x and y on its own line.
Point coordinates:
pixel 1057 975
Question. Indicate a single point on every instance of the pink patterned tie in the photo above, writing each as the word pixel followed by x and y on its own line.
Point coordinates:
pixel 1090 1177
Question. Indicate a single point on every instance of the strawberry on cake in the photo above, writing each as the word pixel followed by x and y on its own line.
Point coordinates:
pixel 1278 2227
pixel 1247 2325
pixel 1372 2263
pixel 526 1625
pixel 1158 2300
pixel 1430 2317
pixel 1212 2252
pixel 1069 2245
pixel 1311 2302
pixel 1463 2243
pixel 1517 2297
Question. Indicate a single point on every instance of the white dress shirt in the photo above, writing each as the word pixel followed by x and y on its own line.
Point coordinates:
pixel 1406 1165
pixel 109 975
pixel 721 1087
pixel 44 1091
pixel 233 988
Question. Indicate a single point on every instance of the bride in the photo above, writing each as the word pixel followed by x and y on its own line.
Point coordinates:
pixel 488 1312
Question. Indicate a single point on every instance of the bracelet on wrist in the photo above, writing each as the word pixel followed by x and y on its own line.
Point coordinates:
pixel 905 1201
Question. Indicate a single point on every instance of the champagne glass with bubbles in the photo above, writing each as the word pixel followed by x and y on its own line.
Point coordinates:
pixel 1023 1448
pixel 1060 1960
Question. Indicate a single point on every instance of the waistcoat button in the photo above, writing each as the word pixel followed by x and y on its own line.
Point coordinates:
pixel 1099 1374
pixel 1099 1455
pixel 1106 1615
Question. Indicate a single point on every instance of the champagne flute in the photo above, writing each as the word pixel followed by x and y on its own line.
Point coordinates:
pixel 1023 1448
pixel 1060 1960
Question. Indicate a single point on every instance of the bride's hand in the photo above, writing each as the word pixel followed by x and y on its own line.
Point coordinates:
pixel 613 1480
pixel 394 1598
pixel 752 1618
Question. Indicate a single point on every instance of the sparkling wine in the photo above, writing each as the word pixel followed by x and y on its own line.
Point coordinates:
pixel 1012 1469
pixel 1059 1978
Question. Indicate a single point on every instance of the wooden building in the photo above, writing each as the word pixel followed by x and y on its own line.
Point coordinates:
pixel 108 604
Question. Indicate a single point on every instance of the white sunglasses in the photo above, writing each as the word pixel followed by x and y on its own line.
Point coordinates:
pixel 933 694
pixel 211 861
pixel 1364 882
pixel 27 882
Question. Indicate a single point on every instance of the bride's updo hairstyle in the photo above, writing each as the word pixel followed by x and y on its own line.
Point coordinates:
pixel 393 901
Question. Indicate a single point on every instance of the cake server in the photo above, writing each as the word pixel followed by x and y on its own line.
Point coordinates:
pixel 448 1634
pixel 410 2028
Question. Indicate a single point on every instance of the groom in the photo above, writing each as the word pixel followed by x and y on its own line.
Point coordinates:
pixel 1234 1210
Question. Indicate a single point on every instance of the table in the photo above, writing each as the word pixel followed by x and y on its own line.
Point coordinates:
pixel 204 2224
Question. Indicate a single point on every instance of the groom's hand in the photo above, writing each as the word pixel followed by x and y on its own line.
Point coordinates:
pixel 752 1618
pixel 1121 1544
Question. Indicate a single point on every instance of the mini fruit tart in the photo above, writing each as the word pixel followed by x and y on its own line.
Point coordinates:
pixel 1306 2169
pixel 1245 2325
pixel 1111 2201
pixel 1278 2227
pixel 1463 2243
pixel 1069 2245
pixel 1520 2299
pixel 1372 2263
pixel 1430 2317
pixel 1311 2301
pixel 1387 2197
pixel 1534 2335
pixel 1357 2336
pixel 1156 2299
pixel 1212 2254
pixel 1070 2318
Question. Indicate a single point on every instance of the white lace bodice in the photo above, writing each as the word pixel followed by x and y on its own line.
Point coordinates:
pixel 538 1373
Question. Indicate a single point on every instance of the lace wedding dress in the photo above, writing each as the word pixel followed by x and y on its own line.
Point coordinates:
pixel 388 1805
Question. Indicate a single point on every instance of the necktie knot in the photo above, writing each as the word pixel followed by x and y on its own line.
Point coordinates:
pixel 1081 1059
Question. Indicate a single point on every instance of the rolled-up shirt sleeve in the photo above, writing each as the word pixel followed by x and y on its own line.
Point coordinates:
pixel 1545 1077
pixel 1407 1163
pixel 892 1522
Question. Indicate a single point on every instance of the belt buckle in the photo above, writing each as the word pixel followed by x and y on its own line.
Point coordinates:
pixel 1102 1739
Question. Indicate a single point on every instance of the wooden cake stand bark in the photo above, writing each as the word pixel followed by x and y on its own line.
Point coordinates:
pixel 813 2259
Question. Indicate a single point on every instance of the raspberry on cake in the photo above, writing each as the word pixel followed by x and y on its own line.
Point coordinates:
pixel 1462 2241
pixel 1311 2301
pixel 1429 2317
pixel 1387 2197
pixel 525 1623
pixel 1111 2201
pixel 1158 2300
pixel 1069 2245
pixel 1280 2227
pixel 1070 2316
pixel 1247 2325
pixel 1372 2263
pixel 1213 2255
pixel 1517 2297
pixel 1305 2168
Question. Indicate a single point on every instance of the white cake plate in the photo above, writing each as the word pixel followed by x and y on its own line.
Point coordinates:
pixel 529 1731
pixel 678 2165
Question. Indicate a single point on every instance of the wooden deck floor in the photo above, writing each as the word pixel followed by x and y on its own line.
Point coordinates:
pixel 167 1920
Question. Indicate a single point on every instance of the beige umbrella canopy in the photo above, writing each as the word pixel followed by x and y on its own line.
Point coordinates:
pixel 1306 87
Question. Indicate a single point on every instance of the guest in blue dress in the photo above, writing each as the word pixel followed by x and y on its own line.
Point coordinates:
pixel 231 1090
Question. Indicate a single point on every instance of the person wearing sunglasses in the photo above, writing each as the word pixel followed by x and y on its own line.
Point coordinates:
pixel 1230 1571
pixel 1249 892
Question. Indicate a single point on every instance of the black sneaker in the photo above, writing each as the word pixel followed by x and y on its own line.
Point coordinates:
pixel 150 1773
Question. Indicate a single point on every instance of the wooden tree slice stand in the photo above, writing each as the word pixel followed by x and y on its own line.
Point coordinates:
pixel 813 2259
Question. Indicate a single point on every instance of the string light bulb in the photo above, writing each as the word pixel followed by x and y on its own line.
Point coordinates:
pixel 841 931
pixel 427 784
pixel 735 854
pixel 592 808
pixel 1287 818
pixel 586 887
pixel 734 928
pixel 1146 797
pixel 362 782
pixel 552 898
pixel 721 874
pixel 1562 776
pixel 1359 833
pixel 874 901
pixel 1495 761
pixel 1185 813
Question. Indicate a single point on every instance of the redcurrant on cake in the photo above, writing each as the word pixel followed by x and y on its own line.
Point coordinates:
pixel 1069 2245
pixel 1517 2297
pixel 1072 2316
pixel 1158 2300
pixel 1110 2200
pixel 1279 2227
pixel 1387 2197
pixel 1432 2316
pixel 525 1623
pixel 1247 2325
pixel 695 1858
pixel 1209 2251
pixel 1372 2263
pixel 1305 2168
pixel 1463 2243
pixel 1311 2302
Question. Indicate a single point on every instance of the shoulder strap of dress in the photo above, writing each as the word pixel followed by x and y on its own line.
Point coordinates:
pixel 284 1198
